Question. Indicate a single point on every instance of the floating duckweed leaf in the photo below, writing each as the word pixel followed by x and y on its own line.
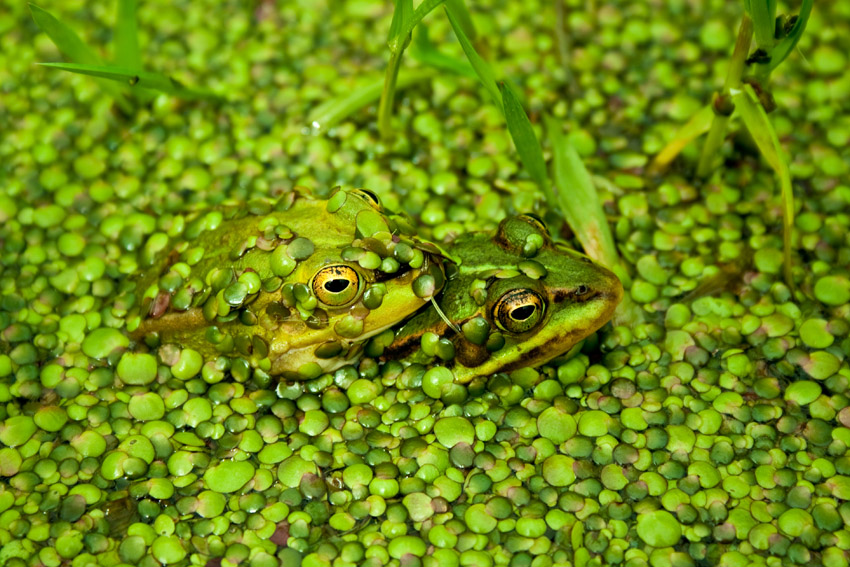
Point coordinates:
pixel 136 79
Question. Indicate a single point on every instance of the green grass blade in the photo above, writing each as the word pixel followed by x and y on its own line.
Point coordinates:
pixel 332 112
pixel 578 199
pixel 127 53
pixel 402 14
pixel 424 51
pixel 135 79
pixel 525 140
pixel 464 19
pixel 784 48
pixel 763 13
pixel 65 39
pixel 698 125
pixel 396 42
pixel 760 128
pixel 72 47
pixel 482 68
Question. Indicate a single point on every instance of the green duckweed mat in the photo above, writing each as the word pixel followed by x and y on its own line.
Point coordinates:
pixel 713 430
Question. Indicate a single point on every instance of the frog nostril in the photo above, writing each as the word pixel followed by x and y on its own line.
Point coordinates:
pixel 581 290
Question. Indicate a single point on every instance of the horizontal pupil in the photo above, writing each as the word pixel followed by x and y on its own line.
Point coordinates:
pixel 522 313
pixel 336 286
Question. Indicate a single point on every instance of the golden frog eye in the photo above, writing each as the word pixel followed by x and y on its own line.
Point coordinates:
pixel 336 285
pixel 368 196
pixel 519 310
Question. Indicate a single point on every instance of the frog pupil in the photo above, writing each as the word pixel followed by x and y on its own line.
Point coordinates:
pixel 337 285
pixel 522 313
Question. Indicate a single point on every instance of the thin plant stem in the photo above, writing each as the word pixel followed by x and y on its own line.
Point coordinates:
pixel 385 106
pixel 733 81
pixel 563 41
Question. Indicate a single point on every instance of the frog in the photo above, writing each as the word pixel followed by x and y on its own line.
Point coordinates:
pixel 290 287
pixel 514 298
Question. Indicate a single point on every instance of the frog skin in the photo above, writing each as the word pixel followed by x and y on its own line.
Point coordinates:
pixel 291 287
pixel 514 299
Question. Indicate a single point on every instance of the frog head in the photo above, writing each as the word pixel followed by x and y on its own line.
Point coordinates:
pixel 290 287
pixel 513 299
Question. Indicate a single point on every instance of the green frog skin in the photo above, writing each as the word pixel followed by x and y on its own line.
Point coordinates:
pixel 292 288
pixel 514 299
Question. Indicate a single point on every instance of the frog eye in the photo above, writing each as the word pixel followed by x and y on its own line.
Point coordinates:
pixel 336 285
pixel 519 310
pixel 369 197
pixel 535 221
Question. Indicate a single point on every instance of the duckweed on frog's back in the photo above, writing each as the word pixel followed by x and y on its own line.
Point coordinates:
pixel 515 299
pixel 291 287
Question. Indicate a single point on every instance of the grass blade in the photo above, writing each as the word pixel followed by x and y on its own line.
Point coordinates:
pixel 333 111
pixel 72 47
pixel 482 68
pixel 698 125
pixel 760 128
pixel 65 39
pixel 763 14
pixel 578 199
pixel 426 53
pixel 402 14
pixel 127 53
pixel 580 205
pixel 464 19
pixel 421 11
pixel 135 79
pixel 525 140
pixel 784 48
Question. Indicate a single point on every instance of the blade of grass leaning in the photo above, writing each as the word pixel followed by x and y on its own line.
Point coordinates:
pixel 784 48
pixel 698 125
pixel 72 47
pixel 578 199
pixel 761 129
pixel 420 12
pixel 127 53
pixel 424 51
pixel 136 79
pixel 464 19
pixel 580 205
pixel 525 140
pixel 402 15
pixel 333 111
pixel 482 68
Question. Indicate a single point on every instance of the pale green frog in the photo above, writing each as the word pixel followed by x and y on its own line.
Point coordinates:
pixel 291 288
pixel 513 299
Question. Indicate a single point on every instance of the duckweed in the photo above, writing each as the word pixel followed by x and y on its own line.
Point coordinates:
pixel 715 432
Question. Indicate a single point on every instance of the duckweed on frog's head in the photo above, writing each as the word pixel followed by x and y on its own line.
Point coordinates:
pixel 291 287
pixel 517 298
